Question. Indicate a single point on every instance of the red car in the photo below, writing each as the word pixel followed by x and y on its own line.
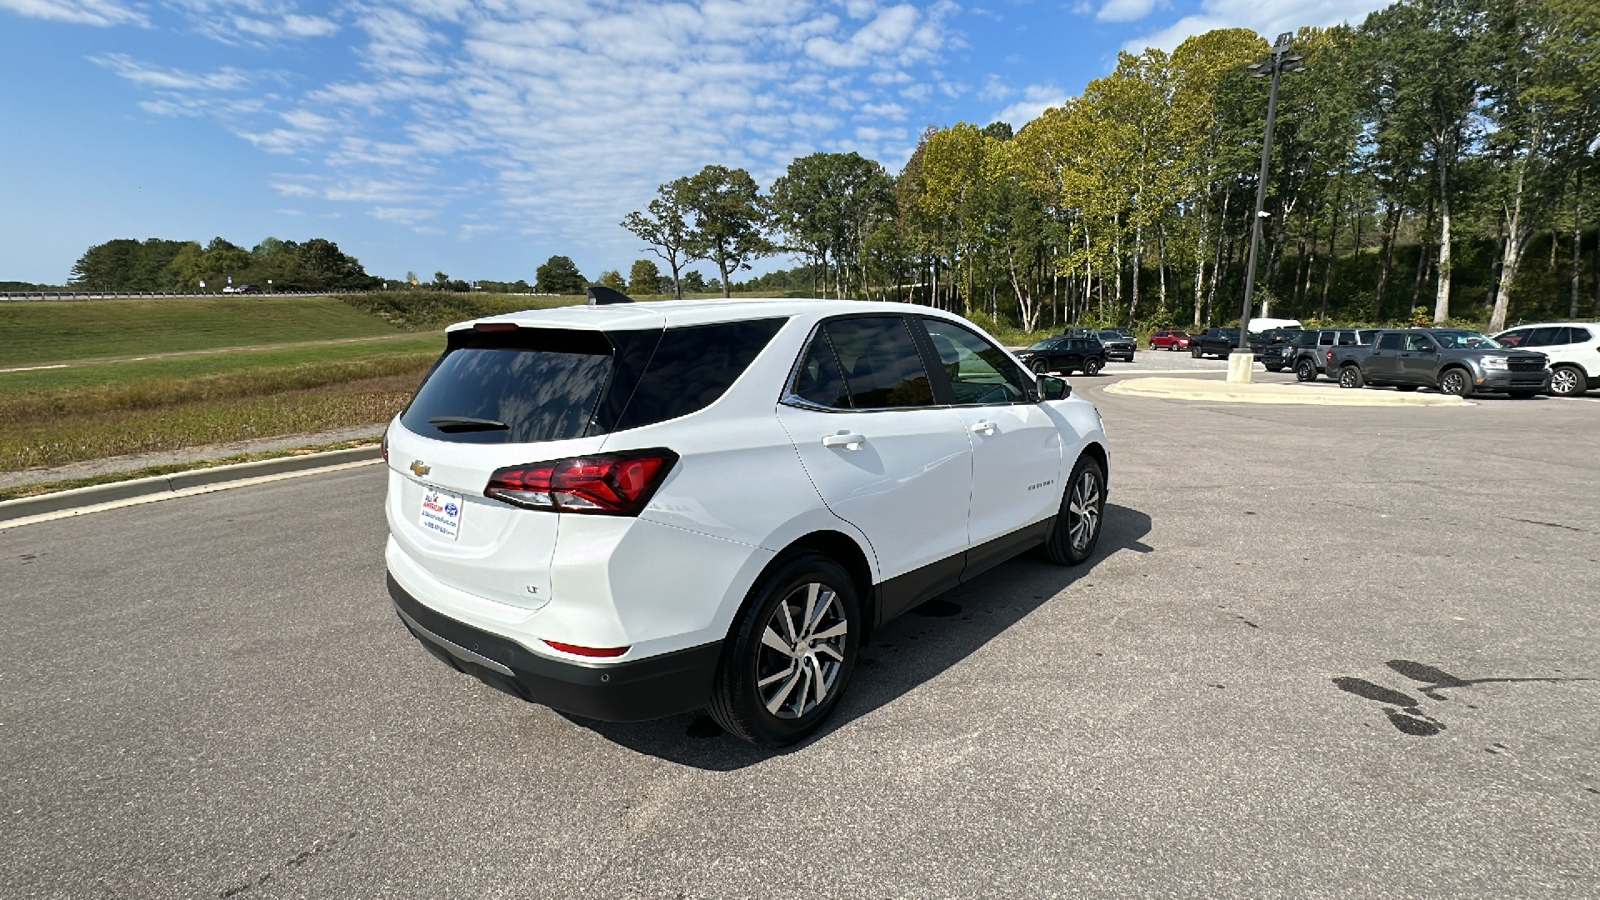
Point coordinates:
pixel 1169 340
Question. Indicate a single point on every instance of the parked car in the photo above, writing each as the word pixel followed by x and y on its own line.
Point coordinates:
pixel 249 289
pixel 1311 360
pixel 627 511
pixel 1573 348
pixel 1120 343
pixel 1449 360
pixel 1065 355
pixel 1213 342
pixel 1167 339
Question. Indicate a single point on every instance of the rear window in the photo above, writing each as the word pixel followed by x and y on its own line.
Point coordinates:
pixel 505 387
pixel 531 384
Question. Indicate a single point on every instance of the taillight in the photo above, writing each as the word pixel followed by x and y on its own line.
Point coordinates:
pixel 587 651
pixel 614 484
pixel 1329 359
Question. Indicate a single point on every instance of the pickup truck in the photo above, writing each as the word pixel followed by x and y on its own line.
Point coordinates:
pixel 1449 360
pixel 1221 341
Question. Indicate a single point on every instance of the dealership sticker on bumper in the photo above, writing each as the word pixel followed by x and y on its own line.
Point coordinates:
pixel 441 513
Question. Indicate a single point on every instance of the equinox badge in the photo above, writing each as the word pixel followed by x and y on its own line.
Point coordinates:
pixel 418 469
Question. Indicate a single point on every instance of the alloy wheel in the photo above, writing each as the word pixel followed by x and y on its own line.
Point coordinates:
pixel 1565 381
pixel 1453 382
pixel 802 651
pixel 1083 509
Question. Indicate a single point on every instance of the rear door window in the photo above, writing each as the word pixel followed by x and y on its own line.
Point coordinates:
pixel 1392 341
pixel 867 362
pixel 1545 337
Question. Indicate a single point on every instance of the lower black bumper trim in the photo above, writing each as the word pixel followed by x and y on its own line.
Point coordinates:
pixel 635 691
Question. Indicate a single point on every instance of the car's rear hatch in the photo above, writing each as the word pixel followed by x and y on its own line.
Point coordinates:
pixel 501 396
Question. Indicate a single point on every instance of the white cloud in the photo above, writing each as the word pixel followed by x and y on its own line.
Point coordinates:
pixel 1036 98
pixel 1266 17
pixel 1125 10
pixel 887 37
pixel 404 215
pixel 78 12
pixel 161 79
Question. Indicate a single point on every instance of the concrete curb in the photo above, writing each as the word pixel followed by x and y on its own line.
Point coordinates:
pixel 1225 392
pixel 94 495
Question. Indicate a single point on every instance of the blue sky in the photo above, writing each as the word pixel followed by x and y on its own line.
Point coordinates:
pixel 479 137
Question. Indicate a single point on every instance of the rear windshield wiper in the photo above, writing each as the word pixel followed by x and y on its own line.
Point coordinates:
pixel 466 423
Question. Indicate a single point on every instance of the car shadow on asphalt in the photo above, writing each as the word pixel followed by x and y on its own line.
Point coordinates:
pixel 901 655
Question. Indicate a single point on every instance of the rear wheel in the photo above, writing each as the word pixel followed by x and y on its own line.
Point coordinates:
pixel 790 655
pixel 1568 381
pixel 1305 370
pixel 1077 528
pixel 1040 367
pixel 1350 377
pixel 1455 382
pixel 1091 367
pixel 1194 352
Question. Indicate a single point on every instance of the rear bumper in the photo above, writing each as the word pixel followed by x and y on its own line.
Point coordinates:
pixel 629 691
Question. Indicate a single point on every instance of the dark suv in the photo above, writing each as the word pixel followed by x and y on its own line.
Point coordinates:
pixel 1065 355
pixel 1120 343
pixel 1448 360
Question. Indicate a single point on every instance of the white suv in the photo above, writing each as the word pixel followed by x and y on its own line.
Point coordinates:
pixel 629 511
pixel 1573 348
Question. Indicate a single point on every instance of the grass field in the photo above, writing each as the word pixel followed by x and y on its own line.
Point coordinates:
pixel 208 364
pixel 48 332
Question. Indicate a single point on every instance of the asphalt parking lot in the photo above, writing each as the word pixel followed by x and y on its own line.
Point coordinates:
pixel 1321 651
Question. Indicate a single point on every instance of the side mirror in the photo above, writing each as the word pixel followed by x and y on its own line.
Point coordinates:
pixel 1053 388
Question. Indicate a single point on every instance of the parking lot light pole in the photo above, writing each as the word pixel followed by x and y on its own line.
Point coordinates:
pixel 1241 361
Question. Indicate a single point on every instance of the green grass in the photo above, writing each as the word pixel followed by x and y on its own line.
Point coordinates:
pixel 47 332
pixel 85 432
pixel 210 364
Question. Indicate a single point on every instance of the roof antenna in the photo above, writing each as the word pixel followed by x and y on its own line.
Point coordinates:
pixel 604 296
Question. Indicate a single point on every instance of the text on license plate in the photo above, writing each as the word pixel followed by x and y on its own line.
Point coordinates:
pixel 441 512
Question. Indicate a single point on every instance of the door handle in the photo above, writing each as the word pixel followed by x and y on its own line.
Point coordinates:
pixel 847 441
pixel 982 428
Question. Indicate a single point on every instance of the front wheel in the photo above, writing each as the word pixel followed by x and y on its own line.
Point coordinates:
pixel 1194 352
pixel 1456 383
pixel 1040 367
pixel 790 655
pixel 1305 370
pixel 1091 367
pixel 1083 506
pixel 1350 377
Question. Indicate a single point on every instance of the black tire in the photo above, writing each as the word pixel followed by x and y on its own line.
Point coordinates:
pixel 1040 367
pixel 740 703
pixel 1350 377
pixel 1456 382
pixel 1195 352
pixel 1077 527
pixel 1091 367
pixel 1305 370
pixel 1568 381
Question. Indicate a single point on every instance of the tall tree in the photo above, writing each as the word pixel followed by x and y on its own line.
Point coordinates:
pixel 664 226
pixel 729 220
pixel 644 278
pixel 559 275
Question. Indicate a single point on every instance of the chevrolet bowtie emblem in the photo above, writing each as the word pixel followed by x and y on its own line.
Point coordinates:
pixel 418 469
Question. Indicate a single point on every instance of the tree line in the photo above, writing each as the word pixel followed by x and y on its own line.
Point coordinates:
pixel 1417 160
pixel 166 265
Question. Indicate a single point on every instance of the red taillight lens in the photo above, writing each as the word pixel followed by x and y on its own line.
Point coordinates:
pixel 617 484
pixel 587 651
pixel 1328 358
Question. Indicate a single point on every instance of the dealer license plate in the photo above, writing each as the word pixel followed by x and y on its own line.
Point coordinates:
pixel 441 512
